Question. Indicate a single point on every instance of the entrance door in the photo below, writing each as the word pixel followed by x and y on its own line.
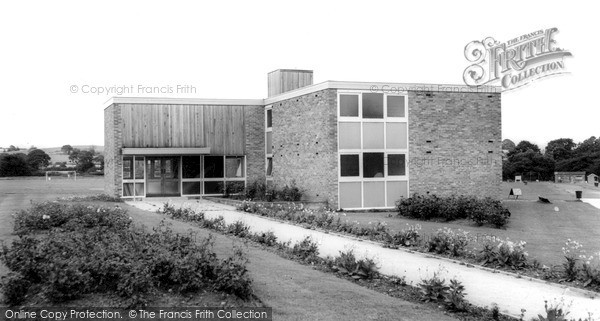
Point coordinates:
pixel 162 176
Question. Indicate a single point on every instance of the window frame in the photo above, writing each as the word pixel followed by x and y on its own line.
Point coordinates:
pixel 386 151
pixel 268 108
pixel 132 180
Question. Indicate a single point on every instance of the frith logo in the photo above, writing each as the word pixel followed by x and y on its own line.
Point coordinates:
pixel 516 62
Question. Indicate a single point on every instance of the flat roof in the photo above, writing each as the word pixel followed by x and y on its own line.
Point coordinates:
pixel 381 87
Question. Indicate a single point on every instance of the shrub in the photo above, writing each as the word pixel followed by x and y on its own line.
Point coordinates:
pixel 259 191
pixel 268 238
pixel 504 253
pixel 238 228
pixel 446 241
pixel 46 215
pixel 306 250
pixel 15 288
pixel 433 289
pixel 571 251
pixel 455 297
pixel 428 207
pixel 346 263
pixel 405 237
pixel 93 249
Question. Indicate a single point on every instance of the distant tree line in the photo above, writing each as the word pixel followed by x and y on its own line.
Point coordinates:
pixel 37 160
pixel 560 155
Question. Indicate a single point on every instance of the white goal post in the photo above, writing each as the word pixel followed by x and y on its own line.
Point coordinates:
pixel 61 174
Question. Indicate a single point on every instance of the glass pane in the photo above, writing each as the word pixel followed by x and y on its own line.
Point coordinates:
pixel 350 195
pixel 397 165
pixel 128 189
pixel 139 168
pixel 396 135
pixel 349 105
pixel 269 118
pixel 156 169
pixel 372 105
pixel 269 166
pixel 373 135
pixel 139 189
pixel 396 190
pixel 153 188
pixel 269 143
pixel 171 187
pixel 191 188
pixel 190 166
pixel 213 187
pixel 349 165
pixel 234 166
pixel 235 187
pixel 127 167
pixel 373 165
pixel 349 135
pixel 374 194
pixel 395 106
pixel 213 166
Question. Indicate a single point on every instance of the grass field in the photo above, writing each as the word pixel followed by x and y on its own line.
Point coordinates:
pixel 543 228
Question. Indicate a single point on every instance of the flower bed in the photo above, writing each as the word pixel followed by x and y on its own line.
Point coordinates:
pixel 94 249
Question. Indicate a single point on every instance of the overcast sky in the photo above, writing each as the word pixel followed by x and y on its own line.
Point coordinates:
pixel 225 50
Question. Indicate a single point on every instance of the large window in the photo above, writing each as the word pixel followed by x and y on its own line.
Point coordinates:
pixel 373 149
pixel 133 176
pixel 191 175
pixel 269 143
pixel 224 174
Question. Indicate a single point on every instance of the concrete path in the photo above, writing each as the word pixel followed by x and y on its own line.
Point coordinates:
pixel 483 287
pixel 595 202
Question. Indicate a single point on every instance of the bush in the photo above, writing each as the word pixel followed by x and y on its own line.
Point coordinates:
pixel 406 237
pixel 47 215
pixel 346 263
pixel 258 191
pixel 504 253
pixel 428 207
pixel 91 249
pixel 268 238
pixel 306 250
pixel 446 241
pixel 15 287
pixel 436 290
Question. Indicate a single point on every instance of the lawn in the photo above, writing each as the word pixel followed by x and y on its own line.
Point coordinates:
pixel 543 228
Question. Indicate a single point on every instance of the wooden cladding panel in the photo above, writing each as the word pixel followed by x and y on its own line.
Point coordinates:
pixel 161 126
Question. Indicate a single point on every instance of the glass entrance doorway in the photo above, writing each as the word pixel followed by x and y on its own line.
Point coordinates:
pixel 162 176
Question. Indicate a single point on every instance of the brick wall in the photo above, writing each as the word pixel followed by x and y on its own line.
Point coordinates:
pixel 254 123
pixel 113 142
pixel 305 145
pixel 463 128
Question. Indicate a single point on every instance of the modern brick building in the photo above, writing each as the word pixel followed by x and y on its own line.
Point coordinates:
pixel 353 144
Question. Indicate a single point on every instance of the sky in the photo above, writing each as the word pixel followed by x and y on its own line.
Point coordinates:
pixel 56 57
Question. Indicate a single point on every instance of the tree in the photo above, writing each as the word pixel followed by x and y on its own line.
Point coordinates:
pixel 525 146
pixel 83 159
pixel 508 145
pixel 66 149
pixel 99 158
pixel 560 149
pixel 37 158
pixel 12 148
pixel 14 165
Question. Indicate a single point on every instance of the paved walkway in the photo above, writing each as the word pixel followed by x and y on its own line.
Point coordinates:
pixel 483 287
